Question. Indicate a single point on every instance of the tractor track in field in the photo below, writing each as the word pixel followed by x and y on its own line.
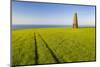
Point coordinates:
pixel 52 53
pixel 36 50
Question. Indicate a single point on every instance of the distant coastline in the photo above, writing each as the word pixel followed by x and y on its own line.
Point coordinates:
pixel 44 26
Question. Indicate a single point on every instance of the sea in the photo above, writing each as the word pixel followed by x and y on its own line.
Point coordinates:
pixel 44 26
pixel 37 26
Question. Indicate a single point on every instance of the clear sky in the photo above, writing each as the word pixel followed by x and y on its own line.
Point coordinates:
pixel 51 14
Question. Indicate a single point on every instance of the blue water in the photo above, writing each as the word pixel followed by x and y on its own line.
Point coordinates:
pixel 42 26
pixel 37 26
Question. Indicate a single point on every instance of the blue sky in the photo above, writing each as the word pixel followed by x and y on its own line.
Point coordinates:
pixel 51 14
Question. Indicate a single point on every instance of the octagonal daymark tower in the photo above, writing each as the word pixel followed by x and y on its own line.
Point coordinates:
pixel 75 21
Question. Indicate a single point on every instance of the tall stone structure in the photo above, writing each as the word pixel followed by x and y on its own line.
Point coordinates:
pixel 75 21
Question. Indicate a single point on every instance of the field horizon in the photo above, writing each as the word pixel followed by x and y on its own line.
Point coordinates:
pixel 21 26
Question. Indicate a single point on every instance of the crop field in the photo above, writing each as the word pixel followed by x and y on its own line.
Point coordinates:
pixel 52 45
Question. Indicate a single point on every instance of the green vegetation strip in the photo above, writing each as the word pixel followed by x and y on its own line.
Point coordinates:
pixel 52 45
pixel 36 51
pixel 52 53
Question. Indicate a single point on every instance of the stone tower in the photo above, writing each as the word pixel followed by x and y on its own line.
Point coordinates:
pixel 75 21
